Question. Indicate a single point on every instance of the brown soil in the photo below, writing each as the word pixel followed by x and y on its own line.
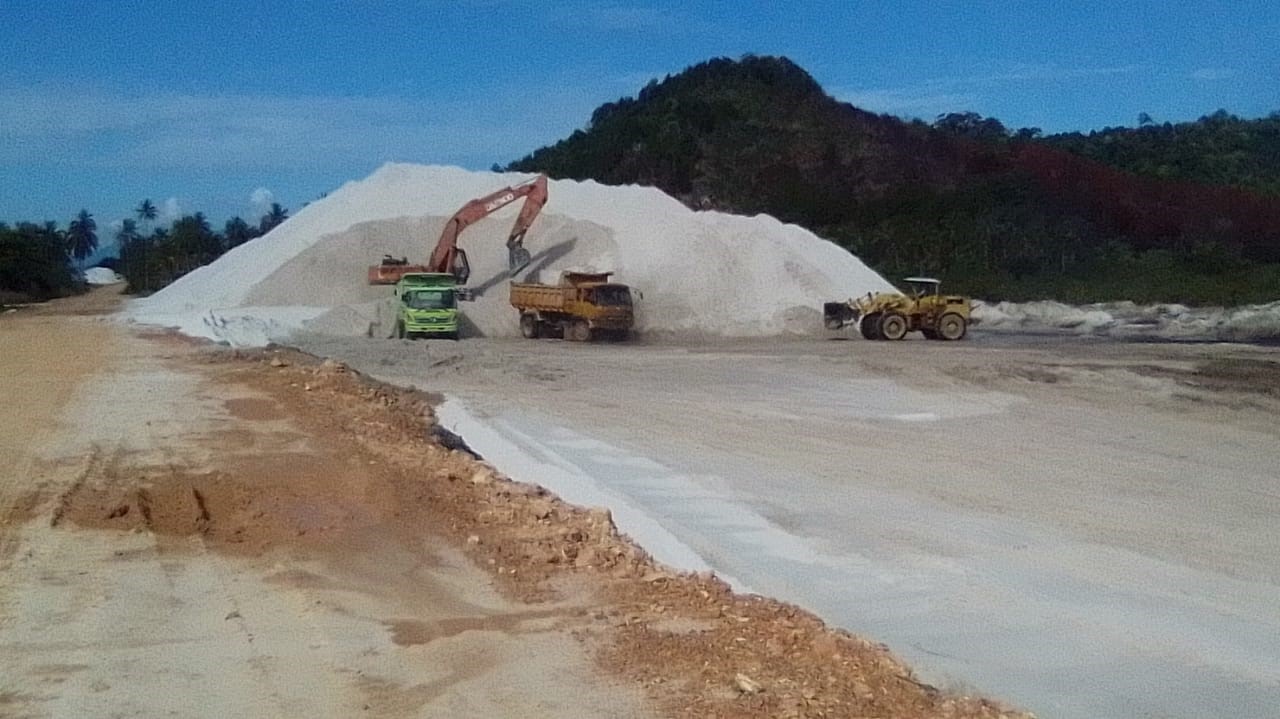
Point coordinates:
pixel 696 647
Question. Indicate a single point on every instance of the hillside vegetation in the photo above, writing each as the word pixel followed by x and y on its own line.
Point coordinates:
pixel 1186 213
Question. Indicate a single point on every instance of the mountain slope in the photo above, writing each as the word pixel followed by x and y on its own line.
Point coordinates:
pixel 991 211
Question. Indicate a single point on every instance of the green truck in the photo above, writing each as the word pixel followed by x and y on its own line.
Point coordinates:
pixel 427 305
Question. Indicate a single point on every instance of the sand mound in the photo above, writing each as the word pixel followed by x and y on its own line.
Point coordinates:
pixel 1130 321
pixel 102 276
pixel 694 273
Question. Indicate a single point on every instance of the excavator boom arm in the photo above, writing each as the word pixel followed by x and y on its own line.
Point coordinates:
pixel 447 257
pixel 443 257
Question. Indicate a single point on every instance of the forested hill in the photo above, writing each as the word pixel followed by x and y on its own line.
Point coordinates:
pixel 998 212
pixel 1217 149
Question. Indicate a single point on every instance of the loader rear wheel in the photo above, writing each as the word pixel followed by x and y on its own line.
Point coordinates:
pixel 952 326
pixel 893 326
pixel 579 331
pixel 529 327
pixel 870 326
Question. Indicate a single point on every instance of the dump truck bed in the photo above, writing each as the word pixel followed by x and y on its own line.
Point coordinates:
pixel 543 298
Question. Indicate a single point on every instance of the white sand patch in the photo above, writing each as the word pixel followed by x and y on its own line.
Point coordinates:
pixel 102 276
pixel 1127 320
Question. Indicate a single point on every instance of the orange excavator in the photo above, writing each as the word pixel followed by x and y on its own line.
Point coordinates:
pixel 449 258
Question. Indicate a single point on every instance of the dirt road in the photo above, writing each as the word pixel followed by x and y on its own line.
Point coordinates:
pixel 190 531
pixel 1086 528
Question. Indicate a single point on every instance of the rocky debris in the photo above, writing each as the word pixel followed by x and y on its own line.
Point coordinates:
pixel 746 684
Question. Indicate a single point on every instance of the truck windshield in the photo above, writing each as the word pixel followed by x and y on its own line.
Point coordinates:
pixel 430 300
pixel 613 296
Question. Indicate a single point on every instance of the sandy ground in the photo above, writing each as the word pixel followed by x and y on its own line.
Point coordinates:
pixel 192 531
pixel 190 549
pixel 1085 528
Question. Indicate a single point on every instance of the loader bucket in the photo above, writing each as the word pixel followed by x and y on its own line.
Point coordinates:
pixel 838 314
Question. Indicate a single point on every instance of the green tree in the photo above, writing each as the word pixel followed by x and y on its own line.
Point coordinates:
pixel 192 243
pixel 272 219
pixel 237 232
pixel 127 233
pixel 146 212
pixel 82 237
pixel 33 263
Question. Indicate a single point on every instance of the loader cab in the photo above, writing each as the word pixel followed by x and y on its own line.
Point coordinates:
pixel 923 286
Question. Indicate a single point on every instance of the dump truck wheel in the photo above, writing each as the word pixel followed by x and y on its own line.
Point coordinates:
pixel 952 327
pixel 893 326
pixel 399 330
pixel 579 331
pixel 870 326
pixel 529 326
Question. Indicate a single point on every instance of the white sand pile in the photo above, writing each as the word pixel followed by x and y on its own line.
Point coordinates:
pixel 1127 320
pixel 694 273
pixel 102 276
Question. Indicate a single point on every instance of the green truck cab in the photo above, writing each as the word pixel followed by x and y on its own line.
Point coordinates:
pixel 427 305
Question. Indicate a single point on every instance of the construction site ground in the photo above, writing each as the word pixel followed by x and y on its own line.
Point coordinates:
pixel 1085 528
pixel 1078 528
pixel 192 531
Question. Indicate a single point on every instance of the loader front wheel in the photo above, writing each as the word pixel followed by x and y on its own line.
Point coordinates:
pixel 952 326
pixel 529 327
pixel 893 326
pixel 870 326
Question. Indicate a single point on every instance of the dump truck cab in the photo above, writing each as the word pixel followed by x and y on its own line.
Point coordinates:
pixel 427 305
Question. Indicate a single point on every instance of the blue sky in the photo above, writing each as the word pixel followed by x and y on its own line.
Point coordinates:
pixel 225 106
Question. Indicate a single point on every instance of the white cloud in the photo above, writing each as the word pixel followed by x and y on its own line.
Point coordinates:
pixel 908 101
pixel 169 210
pixel 1212 73
pixel 966 92
pixel 627 17
pixel 261 198
pixel 1030 72
pixel 104 128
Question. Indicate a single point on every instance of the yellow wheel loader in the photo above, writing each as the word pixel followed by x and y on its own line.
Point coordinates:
pixel 891 315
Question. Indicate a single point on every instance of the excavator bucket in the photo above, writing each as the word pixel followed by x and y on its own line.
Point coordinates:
pixel 518 258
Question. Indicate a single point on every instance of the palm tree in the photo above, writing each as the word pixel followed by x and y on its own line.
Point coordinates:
pixel 128 232
pixel 273 218
pixel 82 237
pixel 147 213
pixel 237 232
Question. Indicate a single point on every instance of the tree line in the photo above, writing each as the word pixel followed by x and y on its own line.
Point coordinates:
pixel 40 261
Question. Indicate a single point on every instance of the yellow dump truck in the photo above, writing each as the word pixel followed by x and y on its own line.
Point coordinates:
pixel 584 305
